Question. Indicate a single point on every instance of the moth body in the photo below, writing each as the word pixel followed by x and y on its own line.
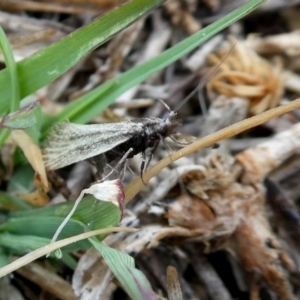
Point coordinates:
pixel 69 143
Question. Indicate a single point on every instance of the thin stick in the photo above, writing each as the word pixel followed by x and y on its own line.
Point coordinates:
pixel 35 254
pixel 136 185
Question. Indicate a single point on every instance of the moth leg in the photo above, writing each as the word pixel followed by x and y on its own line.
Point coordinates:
pixel 153 150
pixel 143 166
pixel 179 143
pixel 120 165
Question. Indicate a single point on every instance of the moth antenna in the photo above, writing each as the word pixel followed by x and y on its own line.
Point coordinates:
pixel 126 166
pixel 165 104
pixel 130 169
pixel 177 142
pixel 203 81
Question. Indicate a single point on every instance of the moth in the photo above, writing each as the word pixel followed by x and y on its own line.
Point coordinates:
pixel 69 143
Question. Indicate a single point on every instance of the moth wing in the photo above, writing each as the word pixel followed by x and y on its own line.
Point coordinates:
pixel 69 143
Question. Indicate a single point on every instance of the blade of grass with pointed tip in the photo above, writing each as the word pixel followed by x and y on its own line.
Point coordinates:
pixel 123 267
pixel 22 118
pixel 90 211
pixel 21 244
pixel 14 238
pixel 90 214
pixel 12 83
pixel 46 65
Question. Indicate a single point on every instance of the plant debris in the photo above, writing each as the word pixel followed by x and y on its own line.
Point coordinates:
pixel 222 223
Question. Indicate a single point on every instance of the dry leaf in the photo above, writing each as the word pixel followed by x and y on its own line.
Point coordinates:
pixel 33 154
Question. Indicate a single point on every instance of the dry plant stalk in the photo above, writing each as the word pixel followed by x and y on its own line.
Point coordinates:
pixel 245 74
pixel 265 157
pixel 48 280
pixel 40 252
pixel 285 44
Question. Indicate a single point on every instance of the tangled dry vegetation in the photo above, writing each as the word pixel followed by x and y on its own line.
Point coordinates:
pixel 226 219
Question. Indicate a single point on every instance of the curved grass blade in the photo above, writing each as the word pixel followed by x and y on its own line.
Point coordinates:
pixel 123 267
pixel 22 118
pixel 46 65
pixel 87 212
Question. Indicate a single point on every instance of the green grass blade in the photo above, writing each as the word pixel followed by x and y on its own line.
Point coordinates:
pixel 14 94
pixel 21 244
pixel 46 65
pixel 12 83
pixel 123 267
pixel 23 118
pixel 87 212
pixel 43 222
pixel 91 214
pixel 4 257
pixel 12 203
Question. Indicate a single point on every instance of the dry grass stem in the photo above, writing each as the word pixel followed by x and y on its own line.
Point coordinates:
pixel 28 258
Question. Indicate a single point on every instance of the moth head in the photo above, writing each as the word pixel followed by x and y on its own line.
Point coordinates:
pixel 169 124
pixel 162 128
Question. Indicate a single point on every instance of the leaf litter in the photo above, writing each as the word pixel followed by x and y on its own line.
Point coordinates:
pixel 208 211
